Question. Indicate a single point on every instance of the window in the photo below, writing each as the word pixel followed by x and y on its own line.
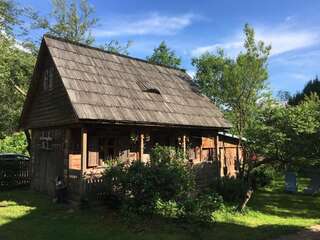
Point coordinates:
pixel 46 140
pixel 148 87
pixel 48 79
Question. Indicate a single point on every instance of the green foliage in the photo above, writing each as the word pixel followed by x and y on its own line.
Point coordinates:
pixel 313 86
pixel 16 67
pixel 200 209
pixel 115 46
pixel 287 133
pixel 263 176
pixel 12 17
pixel 231 189
pixel 164 186
pixel 165 56
pixel 16 143
pixel 235 84
pixel 69 20
pixel 141 184
pixel 167 209
pixel 8 16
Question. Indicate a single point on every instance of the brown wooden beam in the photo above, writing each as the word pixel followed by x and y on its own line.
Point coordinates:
pixel 218 156
pixel 184 146
pixel 141 150
pixel 84 149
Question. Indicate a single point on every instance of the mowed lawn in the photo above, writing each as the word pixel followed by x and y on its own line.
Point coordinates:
pixel 28 215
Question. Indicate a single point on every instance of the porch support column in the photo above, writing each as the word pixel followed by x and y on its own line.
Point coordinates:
pixel 141 150
pixel 219 162
pixel 84 149
pixel 66 154
pixel 184 146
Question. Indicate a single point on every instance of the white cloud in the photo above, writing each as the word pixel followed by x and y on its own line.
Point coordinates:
pixel 152 24
pixel 283 39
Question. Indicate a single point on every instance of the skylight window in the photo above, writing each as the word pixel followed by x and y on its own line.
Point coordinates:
pixel 148 87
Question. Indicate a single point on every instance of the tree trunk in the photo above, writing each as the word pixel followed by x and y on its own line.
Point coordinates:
pixel 246 199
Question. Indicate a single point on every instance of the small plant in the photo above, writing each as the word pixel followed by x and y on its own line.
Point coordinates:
pixel 201 208
pixel 169 209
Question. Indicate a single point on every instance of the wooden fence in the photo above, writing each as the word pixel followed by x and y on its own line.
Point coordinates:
pixel 95 189
pixel 14 173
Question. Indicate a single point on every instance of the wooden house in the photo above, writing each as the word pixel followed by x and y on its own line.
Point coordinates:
pixel 86 106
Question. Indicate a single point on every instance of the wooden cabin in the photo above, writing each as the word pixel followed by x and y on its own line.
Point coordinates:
pixel 86 106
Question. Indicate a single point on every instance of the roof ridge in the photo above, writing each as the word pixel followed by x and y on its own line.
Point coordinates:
pixel 109 52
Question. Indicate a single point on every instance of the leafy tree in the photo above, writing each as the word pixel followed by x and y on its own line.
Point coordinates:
pixel 71 21
pixel 313 86
pixel 11 18
pixel 15 143
pixel 16 67
pixel 74 21
pixel 165 56
pixel 287 134
pixel 235 84
pixel 115 46
pixel 8 16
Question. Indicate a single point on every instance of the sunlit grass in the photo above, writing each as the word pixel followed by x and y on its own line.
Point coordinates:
pixel 10 211
pixel 272 205
pixel 28 215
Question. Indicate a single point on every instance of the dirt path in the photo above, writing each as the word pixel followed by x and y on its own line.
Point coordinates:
pixel 311 234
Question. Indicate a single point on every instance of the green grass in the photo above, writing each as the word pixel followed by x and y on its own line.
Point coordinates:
pixel 28 215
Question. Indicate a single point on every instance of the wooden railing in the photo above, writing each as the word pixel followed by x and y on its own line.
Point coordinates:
pixel 14 173
pixel 95 188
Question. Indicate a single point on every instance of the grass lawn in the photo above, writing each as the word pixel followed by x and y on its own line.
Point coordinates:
pixel 271 213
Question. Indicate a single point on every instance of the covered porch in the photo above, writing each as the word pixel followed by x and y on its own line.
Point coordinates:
pixel 88 149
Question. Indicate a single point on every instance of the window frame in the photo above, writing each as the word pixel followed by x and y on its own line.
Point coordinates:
pixel 48 77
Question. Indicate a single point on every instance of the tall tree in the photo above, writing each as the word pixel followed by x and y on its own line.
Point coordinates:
pixel 9 13
pixel 16 65
pixel 16 68
pixel 235 84
pixel 313 86
pixel 165 56
pixel 73 21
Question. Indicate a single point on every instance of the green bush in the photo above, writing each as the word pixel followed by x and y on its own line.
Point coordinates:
pixel 140 184
pixel 169 209
pixel 165 186
pixel 201 208
pixel 231 189
pixel 263 176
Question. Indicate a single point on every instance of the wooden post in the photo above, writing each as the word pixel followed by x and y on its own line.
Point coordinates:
pixel 84 154
pixel 84 149
pixel 218 156
pixel 222 160
pixel 184 146
pixel 141 146
pixel 66 154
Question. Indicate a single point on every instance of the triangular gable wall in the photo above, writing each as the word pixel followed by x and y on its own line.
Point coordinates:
pixel 46 108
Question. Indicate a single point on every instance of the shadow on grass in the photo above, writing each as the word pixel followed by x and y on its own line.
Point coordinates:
pixel 30 215
pixel 284 204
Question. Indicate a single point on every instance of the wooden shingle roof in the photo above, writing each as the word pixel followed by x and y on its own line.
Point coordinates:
pixel 110 87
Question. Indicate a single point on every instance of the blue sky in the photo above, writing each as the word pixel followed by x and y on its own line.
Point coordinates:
pixel 190 28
